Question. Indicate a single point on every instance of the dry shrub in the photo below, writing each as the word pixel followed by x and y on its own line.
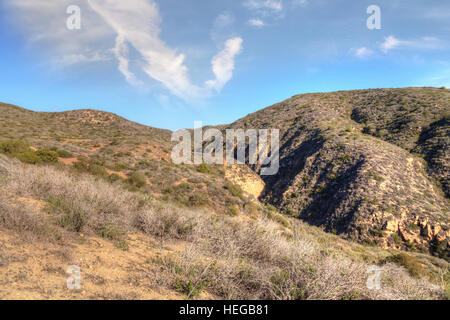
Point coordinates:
pixel 30 226
pixel 232 258
pixel 167 222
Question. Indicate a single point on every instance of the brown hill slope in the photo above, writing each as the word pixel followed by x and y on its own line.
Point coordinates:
pixel 372 165
pixel 130 246
pixel 121 151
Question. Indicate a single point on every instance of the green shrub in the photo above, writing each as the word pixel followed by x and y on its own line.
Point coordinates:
pixel 198 199
pixel 138 180
pixel 345 157
pixel 47 156
pixel 113 232
pixel 381 133
pixel 441 249
pixel 234 211
pixel 97 170
pixel 411 264
pixel 118 167
pixel 122 244
pixel 283 279
pixel 185 187
pixel 69 216
pixel 64 154
pixel 396 238
pixel 204 168
pixel 22 151
pixel 114 177
pixel 368 129
pixel 110 232
pixel 189 288
pixel 29 157
pixel 14 147
pixel 282 220
pixel 81 165
pixel 235 190
pixel 374 176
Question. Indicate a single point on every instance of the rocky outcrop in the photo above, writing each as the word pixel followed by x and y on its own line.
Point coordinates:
pixel 248 180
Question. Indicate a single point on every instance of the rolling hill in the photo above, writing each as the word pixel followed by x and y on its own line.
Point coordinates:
pixel 368 167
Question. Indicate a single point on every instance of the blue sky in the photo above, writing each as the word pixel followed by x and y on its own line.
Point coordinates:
pixel 167 63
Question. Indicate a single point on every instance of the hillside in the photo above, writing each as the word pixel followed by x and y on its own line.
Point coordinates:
pixel 116 149
pixel 364 178
pixel 131 246
pixel 371 165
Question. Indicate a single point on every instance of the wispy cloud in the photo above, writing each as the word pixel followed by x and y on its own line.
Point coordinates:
pixel 122 25
pixel 362 52
pixel 223 64
pixel 121 53
pixel 266 5
pixel 391 43
pixel 256 23
pixel 264 11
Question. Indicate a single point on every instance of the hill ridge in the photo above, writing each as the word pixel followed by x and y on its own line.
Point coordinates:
pixel 371 165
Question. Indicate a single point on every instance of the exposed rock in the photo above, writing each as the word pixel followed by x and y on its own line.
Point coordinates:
pixel 248 180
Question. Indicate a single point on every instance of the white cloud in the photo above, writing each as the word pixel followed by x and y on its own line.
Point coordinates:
pixel 122 25
pixel 121 53
pixel 362 52
pixel 391 43
pixel 223 64
pixel 269 10
pixel 273 5
pixel 256 23
pixel 137 22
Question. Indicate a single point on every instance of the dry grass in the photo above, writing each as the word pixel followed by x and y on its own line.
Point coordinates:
pixel 236 258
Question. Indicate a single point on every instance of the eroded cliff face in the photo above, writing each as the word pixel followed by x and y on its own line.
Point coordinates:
pixel 248 180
